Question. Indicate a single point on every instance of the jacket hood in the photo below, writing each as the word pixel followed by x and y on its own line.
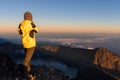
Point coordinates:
pixel 28 16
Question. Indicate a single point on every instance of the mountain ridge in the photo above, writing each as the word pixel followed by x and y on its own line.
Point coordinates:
pixel 86 61
pixel 93 58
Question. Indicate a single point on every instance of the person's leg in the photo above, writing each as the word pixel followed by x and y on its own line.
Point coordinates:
pixel 25 49
pixel 28 56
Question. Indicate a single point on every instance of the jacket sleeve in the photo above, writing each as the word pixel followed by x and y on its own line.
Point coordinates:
pixel 35 29
pixel 19 30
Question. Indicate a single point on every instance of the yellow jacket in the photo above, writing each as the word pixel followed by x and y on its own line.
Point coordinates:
pixel 27 29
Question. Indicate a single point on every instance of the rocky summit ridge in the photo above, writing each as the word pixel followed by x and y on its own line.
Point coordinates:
pixel 96 64
pixel 9 71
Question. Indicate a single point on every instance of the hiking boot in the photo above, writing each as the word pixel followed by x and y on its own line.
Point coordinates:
pixel 31 77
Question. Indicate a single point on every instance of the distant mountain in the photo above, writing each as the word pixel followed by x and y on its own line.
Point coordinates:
pixel 2 40
pixel 108 62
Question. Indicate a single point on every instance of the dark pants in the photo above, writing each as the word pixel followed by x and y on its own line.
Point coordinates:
pixel 28 55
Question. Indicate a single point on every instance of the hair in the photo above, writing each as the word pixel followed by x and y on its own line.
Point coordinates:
pixel 28 16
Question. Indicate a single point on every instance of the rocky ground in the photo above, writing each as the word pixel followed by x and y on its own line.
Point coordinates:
pixel 9 71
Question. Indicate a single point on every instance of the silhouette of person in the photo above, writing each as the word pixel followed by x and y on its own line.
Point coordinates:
pixel 27 30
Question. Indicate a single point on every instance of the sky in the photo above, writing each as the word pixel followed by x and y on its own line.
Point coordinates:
pixel 62 16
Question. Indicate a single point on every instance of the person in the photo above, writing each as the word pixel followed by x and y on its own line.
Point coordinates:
pixel 27 30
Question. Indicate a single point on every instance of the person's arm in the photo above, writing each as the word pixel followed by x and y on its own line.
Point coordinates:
pixel 19 30
pixel 35 29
